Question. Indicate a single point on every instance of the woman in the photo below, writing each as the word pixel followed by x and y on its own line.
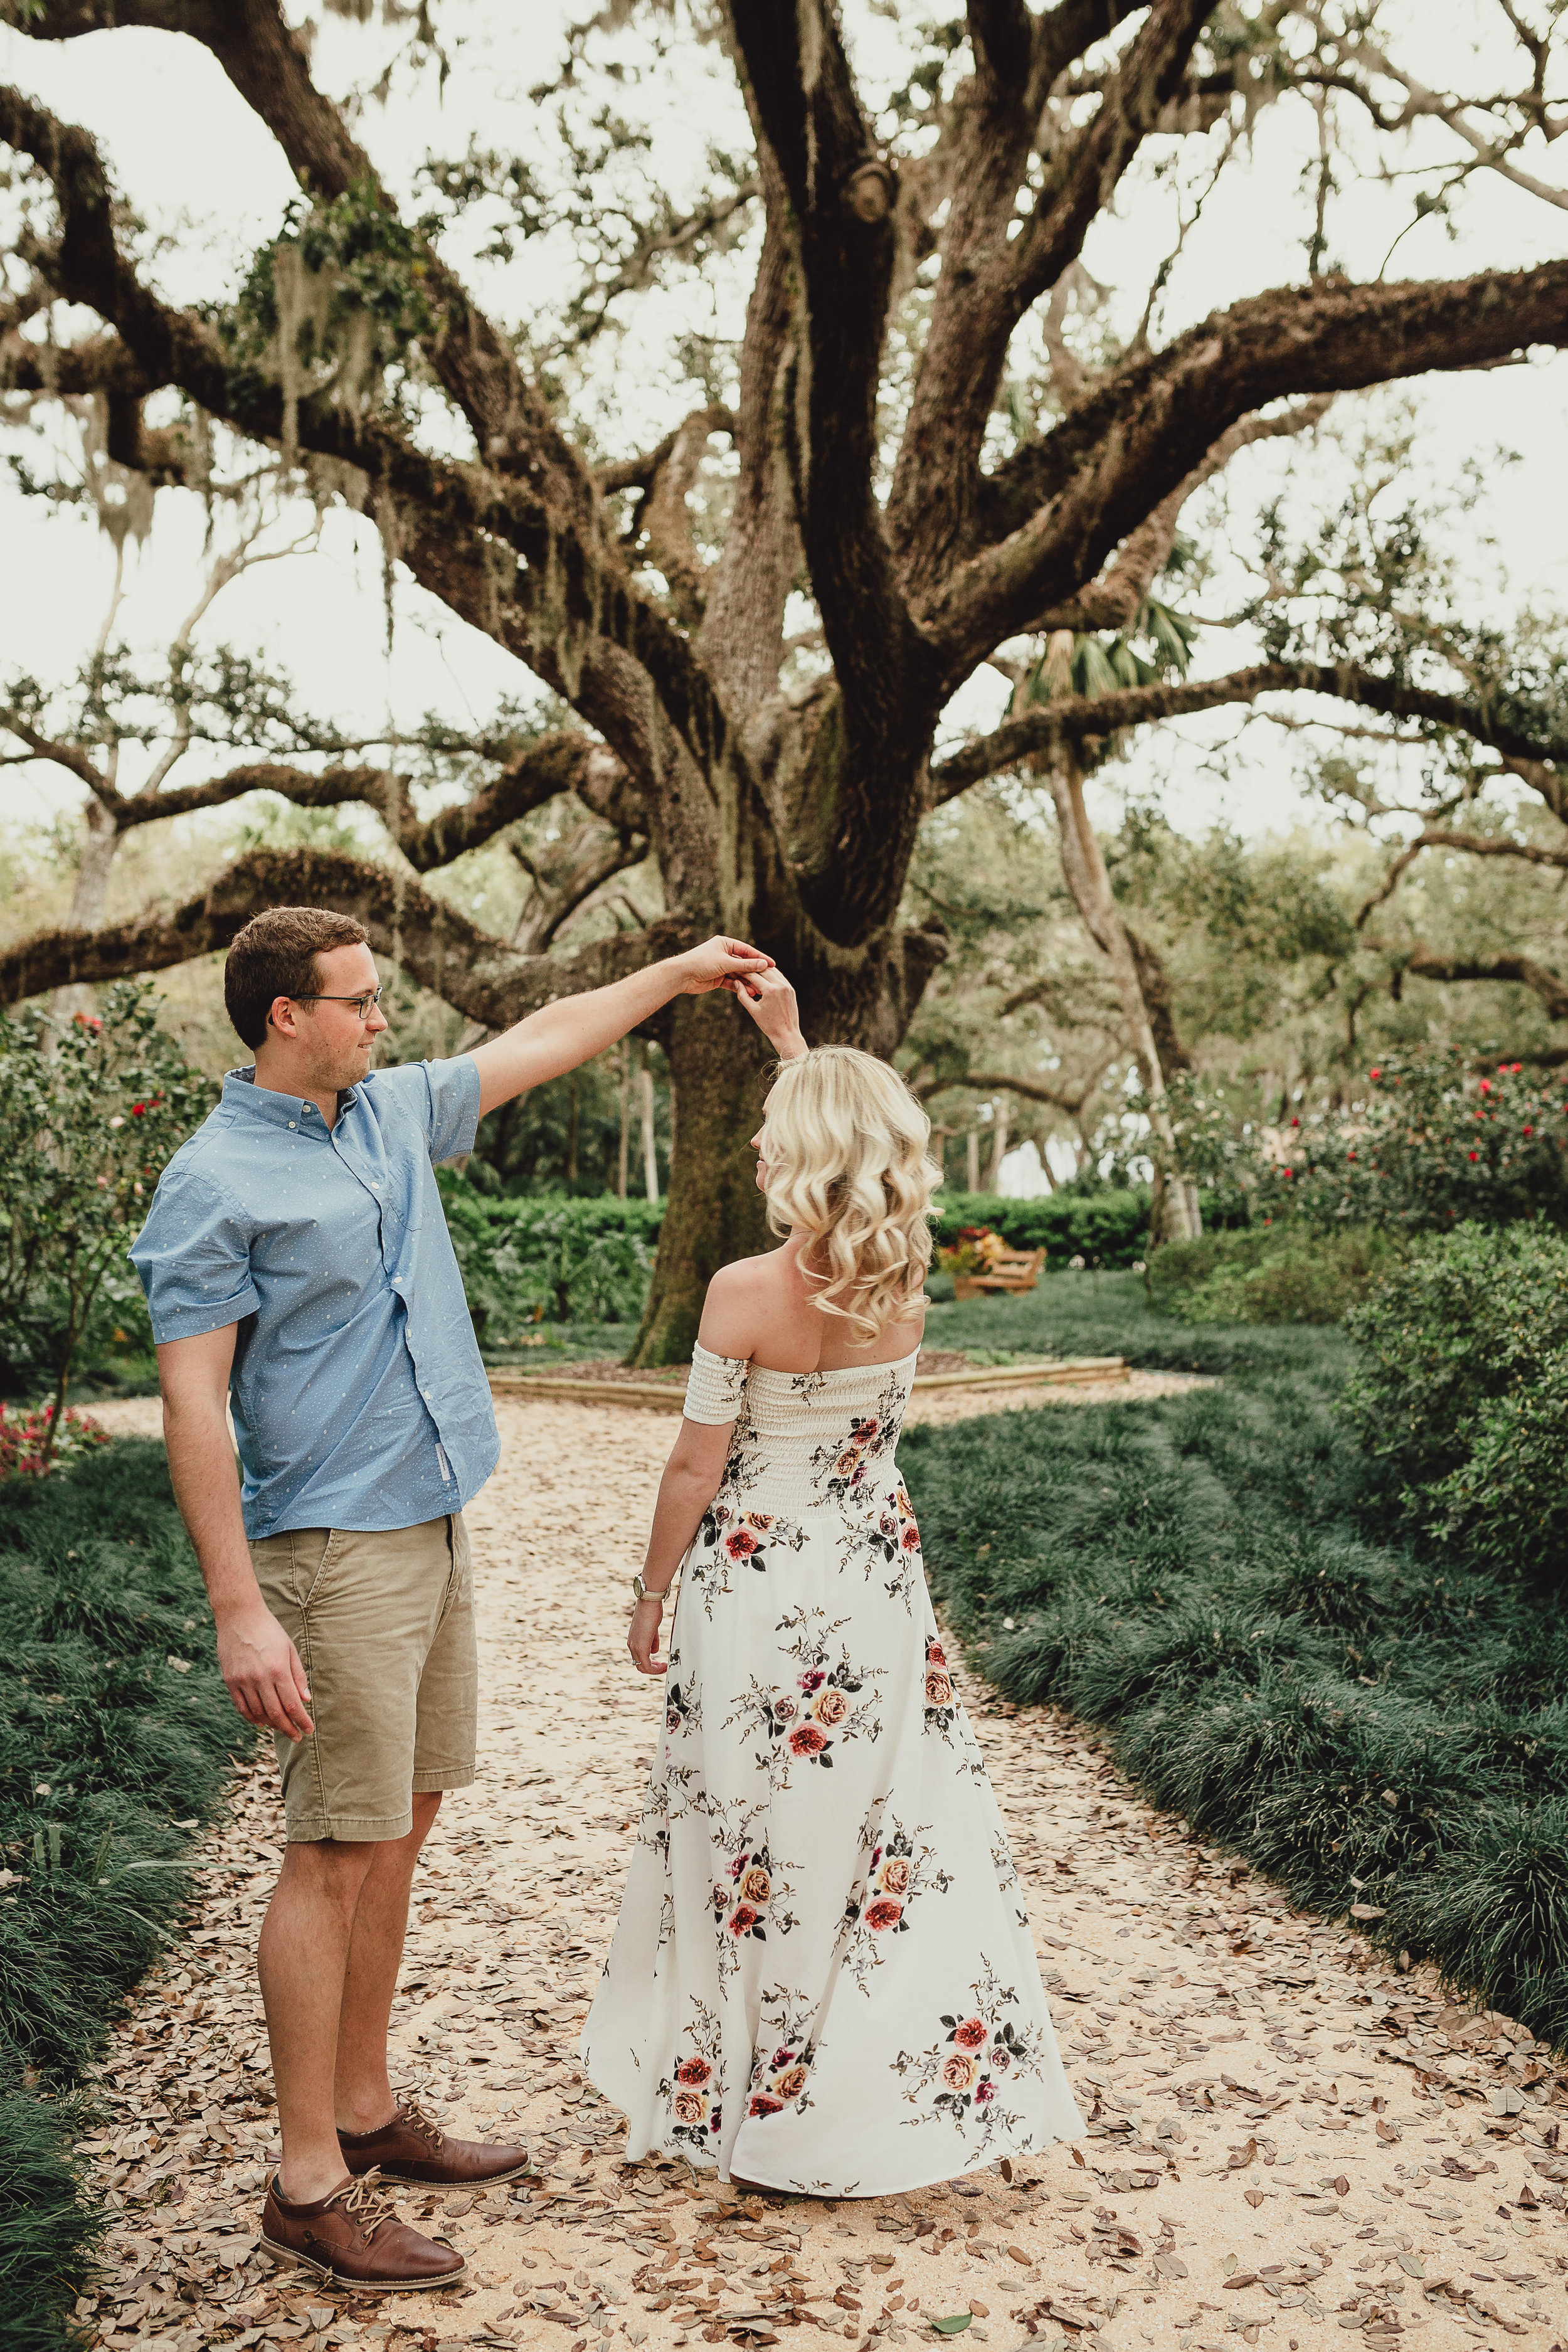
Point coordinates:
pixel 822 1977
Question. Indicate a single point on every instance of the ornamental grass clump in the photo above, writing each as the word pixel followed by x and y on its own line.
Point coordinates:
pixel 116 1739
pixel 1373 1723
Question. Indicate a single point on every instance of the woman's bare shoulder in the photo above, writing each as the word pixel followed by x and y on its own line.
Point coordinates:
pixel 739 1298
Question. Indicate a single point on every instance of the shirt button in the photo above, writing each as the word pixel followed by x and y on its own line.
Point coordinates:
pixel 293 1122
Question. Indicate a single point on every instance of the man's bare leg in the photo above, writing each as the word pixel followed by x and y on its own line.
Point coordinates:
pixel 303 1960
pixel 362 2089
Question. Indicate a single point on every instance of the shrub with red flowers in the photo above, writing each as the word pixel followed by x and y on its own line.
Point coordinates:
pixel 25 1450
pixel 91 1110
pixel 1427 1144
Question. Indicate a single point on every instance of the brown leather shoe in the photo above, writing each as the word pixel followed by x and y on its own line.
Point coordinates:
pixel 412 2147
pixel 355 2237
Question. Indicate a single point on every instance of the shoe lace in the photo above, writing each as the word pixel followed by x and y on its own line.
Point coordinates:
pixel 370 2200
pixel 417 2120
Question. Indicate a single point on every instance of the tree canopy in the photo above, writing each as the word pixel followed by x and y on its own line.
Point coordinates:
pixel 915 445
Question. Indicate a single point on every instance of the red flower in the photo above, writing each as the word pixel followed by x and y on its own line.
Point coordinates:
pixel 138 1111
pixel 762 2105
pixel 742 1919
pixel 1295 1122
pixel 693 2071
pixel 1487 1084
pixel 970 2034
pixel 935 1655
pixel 1375 1075
pixel 1288 1172
pixel 1530 1131
pixel 884 1912
pixel 1475 1155
pixel 740 1545
pixel 807 1740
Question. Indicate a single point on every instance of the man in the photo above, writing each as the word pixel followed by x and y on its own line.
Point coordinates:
pixel 297 1264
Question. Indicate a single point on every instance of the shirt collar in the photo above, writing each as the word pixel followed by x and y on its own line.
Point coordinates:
pixel 241 1093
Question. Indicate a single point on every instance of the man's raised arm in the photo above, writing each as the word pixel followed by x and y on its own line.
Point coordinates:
pixel 576 1028
pixel 260 1663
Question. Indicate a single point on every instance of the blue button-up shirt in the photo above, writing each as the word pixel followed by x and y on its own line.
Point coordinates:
pixel 359 1397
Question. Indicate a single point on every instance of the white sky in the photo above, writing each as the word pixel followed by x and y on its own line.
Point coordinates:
pixel 199 166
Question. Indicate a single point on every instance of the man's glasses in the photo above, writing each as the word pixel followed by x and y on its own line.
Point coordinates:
pixel 362 1004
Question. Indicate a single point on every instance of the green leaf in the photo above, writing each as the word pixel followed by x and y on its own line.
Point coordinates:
pixel 954 2323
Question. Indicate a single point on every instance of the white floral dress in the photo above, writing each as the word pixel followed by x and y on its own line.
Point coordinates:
pixel 822 1977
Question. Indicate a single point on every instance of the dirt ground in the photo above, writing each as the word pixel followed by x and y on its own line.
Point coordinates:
pixel 1289 2138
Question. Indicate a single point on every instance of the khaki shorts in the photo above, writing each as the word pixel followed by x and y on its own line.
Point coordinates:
pixel 384 1624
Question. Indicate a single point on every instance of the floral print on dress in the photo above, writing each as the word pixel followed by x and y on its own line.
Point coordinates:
pixel 782 2074
pixel 841 1470
pixel 749 1890
pixel 877 1908
pixel 979 2065
pixel 692 2092
pixel 941 1701
pixel 826 1702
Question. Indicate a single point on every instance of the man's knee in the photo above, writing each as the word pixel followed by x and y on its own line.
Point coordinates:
pixel 333 1868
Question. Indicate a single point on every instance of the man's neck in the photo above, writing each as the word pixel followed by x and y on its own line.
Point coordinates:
pixel 285 1082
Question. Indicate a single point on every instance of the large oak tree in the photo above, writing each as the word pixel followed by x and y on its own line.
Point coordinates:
pixel 914 276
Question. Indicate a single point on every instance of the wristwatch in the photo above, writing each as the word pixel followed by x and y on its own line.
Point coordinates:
pixel 640 1589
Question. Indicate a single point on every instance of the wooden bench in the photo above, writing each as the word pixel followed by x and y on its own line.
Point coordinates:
pixel 1019 1270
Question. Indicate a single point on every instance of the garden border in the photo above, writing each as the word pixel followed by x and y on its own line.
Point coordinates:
pixel 669 1398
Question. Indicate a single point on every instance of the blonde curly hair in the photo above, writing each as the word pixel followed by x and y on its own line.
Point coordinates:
pixel 845 1144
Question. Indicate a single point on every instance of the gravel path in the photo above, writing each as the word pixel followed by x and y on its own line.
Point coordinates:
pixel 1289 2138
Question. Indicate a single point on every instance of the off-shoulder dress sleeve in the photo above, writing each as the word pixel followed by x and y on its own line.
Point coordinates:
pixel 717 1386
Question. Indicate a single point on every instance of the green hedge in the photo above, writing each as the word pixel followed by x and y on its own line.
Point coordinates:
pixel 105 1748
pixel 1461 1396
pixel 1366 1725
pixel 1270 1273
pixel 550 1258
pixel 1108 1226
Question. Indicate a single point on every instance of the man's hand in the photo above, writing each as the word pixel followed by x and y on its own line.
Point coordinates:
pixel 770 1000
pixel 574 1028
pixel 262 1668
pixel 717 962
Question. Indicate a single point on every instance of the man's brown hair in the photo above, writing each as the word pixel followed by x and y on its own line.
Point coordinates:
pixel 275 955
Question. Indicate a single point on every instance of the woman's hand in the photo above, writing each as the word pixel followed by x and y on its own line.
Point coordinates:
pixel 770 1000
pixel 643 1639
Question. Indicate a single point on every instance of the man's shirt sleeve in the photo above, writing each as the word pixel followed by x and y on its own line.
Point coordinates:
pixel 194 1257
pixel 452 1118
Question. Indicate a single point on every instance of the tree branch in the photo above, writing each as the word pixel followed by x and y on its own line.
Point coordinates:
pixel 1074 717
pixel 1110 601
pixel 1058 508
pixel 989 278
pixel 437 946
pixel 1473 845
pixel 841 202
pixel 1427 963
pixel 537 773
pixel 449 521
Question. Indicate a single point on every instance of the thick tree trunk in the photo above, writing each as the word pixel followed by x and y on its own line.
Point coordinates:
pixel 715 1210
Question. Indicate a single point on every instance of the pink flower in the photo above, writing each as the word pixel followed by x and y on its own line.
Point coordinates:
pixel 884 1913
pixel 806 1741
pixel 970 2034
pixel 742 1544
